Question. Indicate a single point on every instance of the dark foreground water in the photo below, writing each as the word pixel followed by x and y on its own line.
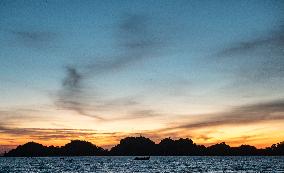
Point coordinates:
pixel 155 164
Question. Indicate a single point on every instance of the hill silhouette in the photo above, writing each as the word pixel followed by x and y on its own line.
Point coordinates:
pixel 143 146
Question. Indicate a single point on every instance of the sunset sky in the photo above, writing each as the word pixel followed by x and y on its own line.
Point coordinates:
pixel 211 71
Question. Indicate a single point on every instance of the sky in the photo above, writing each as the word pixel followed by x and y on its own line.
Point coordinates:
pixel 99 71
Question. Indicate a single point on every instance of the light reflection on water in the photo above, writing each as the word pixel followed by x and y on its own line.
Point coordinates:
pixel 155 164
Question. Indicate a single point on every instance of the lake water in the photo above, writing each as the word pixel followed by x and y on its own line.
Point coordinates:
pixel 155 164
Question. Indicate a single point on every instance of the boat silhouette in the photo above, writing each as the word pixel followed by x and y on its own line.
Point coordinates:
pixel 142 158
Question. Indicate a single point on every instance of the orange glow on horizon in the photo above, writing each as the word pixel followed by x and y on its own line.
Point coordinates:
pixel 260 135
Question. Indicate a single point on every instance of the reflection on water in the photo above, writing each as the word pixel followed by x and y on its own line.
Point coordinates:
pixel 155 164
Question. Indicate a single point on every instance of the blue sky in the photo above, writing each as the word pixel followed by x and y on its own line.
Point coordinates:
pixel 125 60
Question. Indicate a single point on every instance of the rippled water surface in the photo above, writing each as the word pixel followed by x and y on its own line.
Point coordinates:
pixel 155 164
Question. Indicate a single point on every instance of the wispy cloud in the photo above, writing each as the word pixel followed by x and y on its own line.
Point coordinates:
pixel 273 39
pixel 72 95
pixel 34 35
pixel 34 38
pixel 12 117
pixel 259 112
pixel 136 41
pixel 51 134
pixel 257 59
pixel 104 139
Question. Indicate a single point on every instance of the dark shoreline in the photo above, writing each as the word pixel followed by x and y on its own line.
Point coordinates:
pixel 141 146
pixel 217 156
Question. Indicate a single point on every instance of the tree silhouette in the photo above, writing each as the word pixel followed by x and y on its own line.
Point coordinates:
pixel 277 149
pixel 142 146
pixel 245 150
pixel 221 149
pixel 134 146
pixel 74 148
pixel 30 149
pixel 181 146
pixel 81 148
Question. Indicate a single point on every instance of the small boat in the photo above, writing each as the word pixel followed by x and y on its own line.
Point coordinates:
pixel 142 158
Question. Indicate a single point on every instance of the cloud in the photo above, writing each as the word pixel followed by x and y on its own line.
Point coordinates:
pixel 72 80
pixel 136 41
pixel 34 38
pixel 136 114
pixel 260 112
pixel 274 39
pixel 104 139
pixel 52 134
pixel 256 60
pixel 17 116
pixel 72 96
pixel 247 114
pixel 34 35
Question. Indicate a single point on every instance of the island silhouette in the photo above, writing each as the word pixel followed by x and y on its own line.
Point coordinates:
pixel 142 146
